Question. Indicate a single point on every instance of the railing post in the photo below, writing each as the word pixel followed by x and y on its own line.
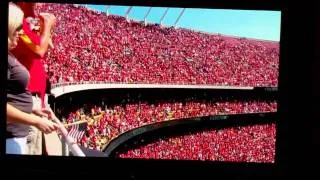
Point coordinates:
pixel 65 149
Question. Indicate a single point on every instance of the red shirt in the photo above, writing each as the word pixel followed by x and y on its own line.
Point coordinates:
pixel 32 61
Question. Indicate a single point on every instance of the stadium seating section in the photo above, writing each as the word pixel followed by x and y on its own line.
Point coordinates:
pixel 91 46
pixel 242 144
pixel 107 123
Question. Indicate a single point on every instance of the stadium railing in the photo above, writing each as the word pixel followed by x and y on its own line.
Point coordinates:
pixel 108 82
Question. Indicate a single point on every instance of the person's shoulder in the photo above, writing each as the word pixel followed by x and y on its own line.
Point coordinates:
pixel 10 55
pixel 11 58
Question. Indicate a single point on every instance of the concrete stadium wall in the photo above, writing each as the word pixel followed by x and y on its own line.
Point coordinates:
pixel 61 89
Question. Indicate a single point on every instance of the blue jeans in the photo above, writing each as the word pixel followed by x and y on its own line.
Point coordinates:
pixel 16 145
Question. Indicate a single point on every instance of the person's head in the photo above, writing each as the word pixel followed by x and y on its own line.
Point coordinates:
pixel 15 21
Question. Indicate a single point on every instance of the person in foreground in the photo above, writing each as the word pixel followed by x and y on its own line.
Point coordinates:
pixel 19 98
pixel 32 46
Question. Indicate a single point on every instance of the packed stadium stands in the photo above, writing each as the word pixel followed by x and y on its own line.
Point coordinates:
pixel 91 46
pixel 241 144
pixel 108 123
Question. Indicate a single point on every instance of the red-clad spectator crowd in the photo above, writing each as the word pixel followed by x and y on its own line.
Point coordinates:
pixel 107 123
pixel 241 144
pixel 91 46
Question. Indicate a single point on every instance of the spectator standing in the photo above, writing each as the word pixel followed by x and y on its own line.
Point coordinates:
pixel 30 52
pixel 19 98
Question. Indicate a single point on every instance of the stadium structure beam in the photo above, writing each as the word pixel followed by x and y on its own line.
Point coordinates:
pixel 107 10
pixel 164 14
pixel 175 23
pixel 147 14
pixel 127 13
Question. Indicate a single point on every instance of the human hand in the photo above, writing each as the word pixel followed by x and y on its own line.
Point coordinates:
pixel 45 125
pixel 48 19
pixel 44 112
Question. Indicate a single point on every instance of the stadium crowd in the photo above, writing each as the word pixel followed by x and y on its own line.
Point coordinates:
pixel 104 124
pixel 91 46
pixel 246 144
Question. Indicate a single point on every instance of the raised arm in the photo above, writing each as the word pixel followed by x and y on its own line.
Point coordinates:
pixel 47 23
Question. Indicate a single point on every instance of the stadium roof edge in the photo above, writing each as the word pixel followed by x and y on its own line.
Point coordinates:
pixel 199 31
